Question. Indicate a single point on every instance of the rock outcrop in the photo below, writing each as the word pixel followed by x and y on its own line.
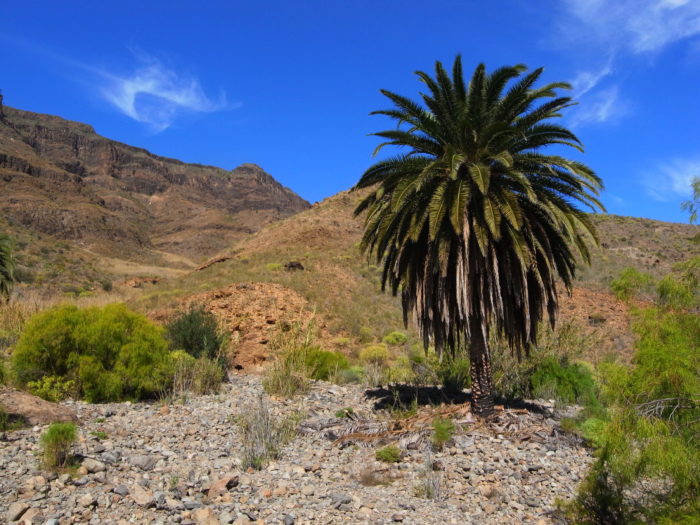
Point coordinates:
pixel 60 178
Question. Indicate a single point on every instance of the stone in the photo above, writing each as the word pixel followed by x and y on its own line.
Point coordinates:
pixel 32 516
pixel 87 500
pixel 122 490
pixel 141 496
pixel 307 490
pixel 205 516
pixel 191 504
pixel 288 519
pixel 398 517
pixel 16 511
pixel 143 461
pixel 93 465
pixel 222 485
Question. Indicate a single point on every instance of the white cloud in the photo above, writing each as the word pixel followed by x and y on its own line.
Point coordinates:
pixel 672 179
pixel 155 95
pixel 602 106
pixel 636 26
pixel 587 80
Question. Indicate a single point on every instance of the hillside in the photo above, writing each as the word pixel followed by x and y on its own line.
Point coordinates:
pixel 61 180
pixel 343 290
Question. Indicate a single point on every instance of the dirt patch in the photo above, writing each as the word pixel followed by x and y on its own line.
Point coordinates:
pixel 255 314
pixel 32 410
pixel 603 317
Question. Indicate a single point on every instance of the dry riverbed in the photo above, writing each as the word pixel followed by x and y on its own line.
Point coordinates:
pixel 180 463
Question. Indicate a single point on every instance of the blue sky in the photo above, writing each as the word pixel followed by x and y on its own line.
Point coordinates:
pixel 289 85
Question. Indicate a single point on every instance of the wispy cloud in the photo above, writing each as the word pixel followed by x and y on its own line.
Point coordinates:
pixel 599 107
pixel 672 179
pixel 587 80
pixel 156 95
pixel 636 26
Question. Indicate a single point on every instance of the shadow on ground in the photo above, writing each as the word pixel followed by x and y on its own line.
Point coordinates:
pixel 406 397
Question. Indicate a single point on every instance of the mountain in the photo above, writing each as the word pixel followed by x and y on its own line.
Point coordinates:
pixel 60 178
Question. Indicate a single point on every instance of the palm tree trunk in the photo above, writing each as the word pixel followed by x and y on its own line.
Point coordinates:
pixel 480 371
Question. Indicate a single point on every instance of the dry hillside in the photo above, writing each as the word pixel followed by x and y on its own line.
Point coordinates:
pixel 343 290
pixel 73 198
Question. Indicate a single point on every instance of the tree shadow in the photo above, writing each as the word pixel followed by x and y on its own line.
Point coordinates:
pixel 405 397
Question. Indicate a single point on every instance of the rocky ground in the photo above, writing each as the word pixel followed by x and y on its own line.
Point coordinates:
pixel 180 463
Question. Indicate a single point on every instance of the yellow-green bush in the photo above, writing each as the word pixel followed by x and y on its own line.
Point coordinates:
pixel 323 364
pixel 111 353
pixel 648 457
pixel 395 339
pixel 629 283
pixel 376 354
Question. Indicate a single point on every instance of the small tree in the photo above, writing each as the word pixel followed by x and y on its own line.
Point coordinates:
pixel 7 267
pixel 693 205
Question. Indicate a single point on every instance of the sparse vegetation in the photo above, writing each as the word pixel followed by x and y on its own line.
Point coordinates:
pixel 648 457
pixel 629 283
pixel 263 435
pixel 430 485
pixel 347 412
pixel 7 267
pixel 57 445
pixel 389 454
pixel 443 429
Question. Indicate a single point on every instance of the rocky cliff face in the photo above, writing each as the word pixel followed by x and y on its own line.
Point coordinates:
pixel 60 178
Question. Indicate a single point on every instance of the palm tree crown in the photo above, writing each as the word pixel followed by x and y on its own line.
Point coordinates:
pixel 474 224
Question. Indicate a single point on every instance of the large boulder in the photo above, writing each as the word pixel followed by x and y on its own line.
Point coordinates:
pixel 33 410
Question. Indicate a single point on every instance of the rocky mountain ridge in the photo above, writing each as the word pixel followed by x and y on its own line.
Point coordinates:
pixel 60 178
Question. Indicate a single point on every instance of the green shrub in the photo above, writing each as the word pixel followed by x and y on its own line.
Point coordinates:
pixel 346 412
pixel 549 371
pixel 564 382
pixel 400 371
pixel 197 332
pixel 110 353
pixel 675 293
pixel 648 456
pixel 389 454
pixel 365 334
pixel 453 373
pixel 195 375
pixel 53 388
pixel 376 354
pixel 354 374
pixel 287 375
pixel 629 283
pixel 324 365
pixel 273 267
pixel 395 339
pixel 106 285
pixel 57 444
pixel 442 432
pixel 99 434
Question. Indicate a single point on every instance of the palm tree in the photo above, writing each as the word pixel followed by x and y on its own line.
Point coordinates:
pixel 473 224
pixel 7 267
